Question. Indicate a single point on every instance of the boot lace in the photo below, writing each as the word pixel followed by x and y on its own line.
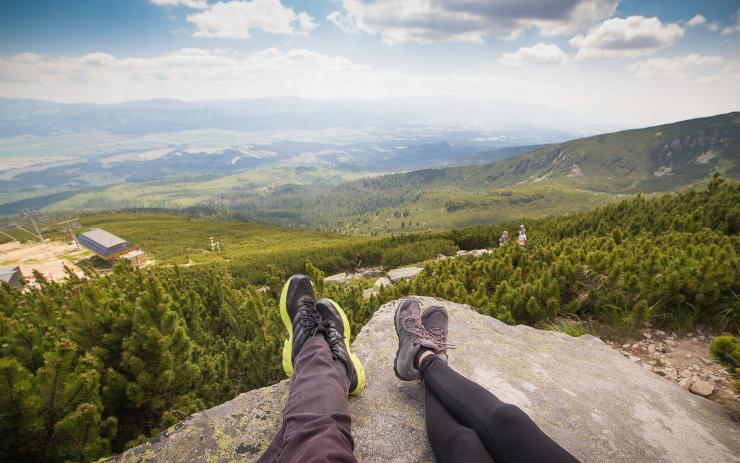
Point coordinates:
pixel 436 335
pixel 332 335
pixel 308 317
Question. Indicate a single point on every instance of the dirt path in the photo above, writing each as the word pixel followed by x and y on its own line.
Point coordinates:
pixel 685 360
pixel 49 258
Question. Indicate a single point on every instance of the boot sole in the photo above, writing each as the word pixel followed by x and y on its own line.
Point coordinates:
pixel 359 369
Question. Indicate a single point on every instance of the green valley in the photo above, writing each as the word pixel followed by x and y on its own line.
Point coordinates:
pixel 552 180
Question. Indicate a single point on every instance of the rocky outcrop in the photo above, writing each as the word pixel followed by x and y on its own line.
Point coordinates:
pixel 339 278
pixel 592 400
pixel 403 273
pixel 685 360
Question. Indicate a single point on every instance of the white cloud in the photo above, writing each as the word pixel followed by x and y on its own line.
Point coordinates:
pixel 735 27
pixel 607 92
pixel 701 69
pixel 696 21
pixel 539 54
pixel 626 38
pixel 235 19
pixel 701 20
pixel 676 66
pixel 343 22
pixel 197 4
pixel 212 73
pixel 306 23
pixel 426 21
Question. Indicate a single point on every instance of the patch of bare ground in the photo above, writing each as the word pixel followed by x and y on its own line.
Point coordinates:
pixel 48 258
pixel 684 360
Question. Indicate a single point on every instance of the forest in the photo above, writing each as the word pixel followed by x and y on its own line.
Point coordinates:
pixel 94 365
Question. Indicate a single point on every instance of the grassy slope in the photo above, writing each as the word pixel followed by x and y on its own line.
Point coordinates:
pixel 631 161
pixel 450 207
pixel 545 182
pixel 194 193
pixel 178 239
pixel 552 180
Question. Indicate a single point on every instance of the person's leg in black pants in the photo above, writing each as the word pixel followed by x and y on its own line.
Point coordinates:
pixel 455 406
pixel 507 432
pixel 451 441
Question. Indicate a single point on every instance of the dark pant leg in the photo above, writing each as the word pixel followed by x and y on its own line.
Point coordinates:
pixel 316 422
pixel 272 454
pixel 451 441
pixel 505 430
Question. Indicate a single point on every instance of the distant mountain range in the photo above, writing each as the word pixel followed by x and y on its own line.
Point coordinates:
pixel 552 179
pixel 512 121
pixel 320 178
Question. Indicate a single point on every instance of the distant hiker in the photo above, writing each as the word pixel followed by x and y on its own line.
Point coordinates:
pixel 522 235
pixel 504 238
pixel 316 421
pixel 464 421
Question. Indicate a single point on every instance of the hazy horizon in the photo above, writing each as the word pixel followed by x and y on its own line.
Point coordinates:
pixel 614 63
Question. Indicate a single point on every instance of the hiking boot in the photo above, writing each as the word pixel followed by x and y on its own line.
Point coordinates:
pixel 338 334
pixel 300 317
pixel 434 319
pixel 417 331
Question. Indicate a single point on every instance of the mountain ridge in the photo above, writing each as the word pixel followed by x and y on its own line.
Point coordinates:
pixel 554 179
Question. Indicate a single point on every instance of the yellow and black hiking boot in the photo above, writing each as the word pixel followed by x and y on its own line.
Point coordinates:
pixel 338 334
pixel 300 317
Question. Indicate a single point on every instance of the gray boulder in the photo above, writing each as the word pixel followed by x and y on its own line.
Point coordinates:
pixel 594 402
pixel 339 278
pixel 370 292
pixel 382 281
pixel 403 273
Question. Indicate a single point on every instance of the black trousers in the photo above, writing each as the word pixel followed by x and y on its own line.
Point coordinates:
pixel 466 423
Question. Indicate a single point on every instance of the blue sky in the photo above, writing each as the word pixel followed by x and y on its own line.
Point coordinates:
pixel 642 60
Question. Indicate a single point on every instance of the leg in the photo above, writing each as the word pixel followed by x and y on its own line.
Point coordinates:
pixel 505 430
pixel 317 422
pixel 451 441
pixel 272 454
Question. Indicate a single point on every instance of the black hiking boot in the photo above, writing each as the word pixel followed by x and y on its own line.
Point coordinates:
pixel 338 334
pixel 300 317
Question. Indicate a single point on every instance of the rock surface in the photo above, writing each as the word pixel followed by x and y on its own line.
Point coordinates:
pixel 404 272
pixel 683 360
pixel 382 281
pixel 370 292
pixel 596 403
pixel 702 388
pixel 339 278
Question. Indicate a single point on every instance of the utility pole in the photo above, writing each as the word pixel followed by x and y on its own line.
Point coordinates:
pixel 12 238
pixel 31 214
pixel 23 229
pixel 69 226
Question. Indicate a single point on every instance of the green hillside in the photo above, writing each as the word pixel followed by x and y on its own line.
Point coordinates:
pixel 552 180
pixel 652 159
pixel 251 253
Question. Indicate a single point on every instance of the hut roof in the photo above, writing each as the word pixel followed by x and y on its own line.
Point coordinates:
pixel 103 243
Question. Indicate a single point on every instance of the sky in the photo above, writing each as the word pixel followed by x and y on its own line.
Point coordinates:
pixel 623 63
